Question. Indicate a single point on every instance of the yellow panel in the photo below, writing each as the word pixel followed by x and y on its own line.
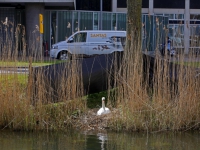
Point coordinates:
pixel 41 23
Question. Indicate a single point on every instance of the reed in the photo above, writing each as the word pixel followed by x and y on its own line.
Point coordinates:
pixel 27 100
pixel 168 100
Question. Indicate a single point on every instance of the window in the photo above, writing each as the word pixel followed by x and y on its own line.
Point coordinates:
pixel 86 21
pixel 106 21
pixel 80 37
pixel 194 4
pixel 123 3
pixel 93 5
pixel 118 40
pixel 169 4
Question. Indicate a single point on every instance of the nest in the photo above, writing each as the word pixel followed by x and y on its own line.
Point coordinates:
pixel 90 121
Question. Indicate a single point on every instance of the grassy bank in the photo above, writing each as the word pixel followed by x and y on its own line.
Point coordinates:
pixel 167 100
pixel 167 105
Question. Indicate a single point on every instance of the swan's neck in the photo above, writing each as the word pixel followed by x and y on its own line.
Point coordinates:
pixel 103 105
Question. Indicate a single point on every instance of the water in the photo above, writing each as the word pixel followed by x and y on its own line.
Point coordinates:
pixel 98 141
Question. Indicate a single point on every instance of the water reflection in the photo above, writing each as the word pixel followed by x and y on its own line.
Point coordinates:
pixel 103 137
pixel 98 141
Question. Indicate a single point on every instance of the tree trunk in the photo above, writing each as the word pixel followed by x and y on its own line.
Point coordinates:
pixel 133 26
pixel 130 83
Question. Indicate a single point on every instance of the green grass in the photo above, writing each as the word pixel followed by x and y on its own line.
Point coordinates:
pixel 10 78
pixel 191 64
pixel 26 63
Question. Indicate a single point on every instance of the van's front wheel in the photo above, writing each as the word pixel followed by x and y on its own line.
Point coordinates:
pixel 64 55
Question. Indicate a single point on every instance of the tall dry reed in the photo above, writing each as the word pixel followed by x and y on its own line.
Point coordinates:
pixel 158 96
pixel 37 102
pixel 167 100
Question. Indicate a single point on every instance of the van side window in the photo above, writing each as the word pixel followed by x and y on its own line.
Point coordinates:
pixel 80 37
pixel 123 41
pixel 118 40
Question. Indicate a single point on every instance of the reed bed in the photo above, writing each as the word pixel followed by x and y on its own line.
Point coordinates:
pixel 171 102
pixel 30 100
pixel 168 100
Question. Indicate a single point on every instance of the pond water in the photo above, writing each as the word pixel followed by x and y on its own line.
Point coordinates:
pixel 98 141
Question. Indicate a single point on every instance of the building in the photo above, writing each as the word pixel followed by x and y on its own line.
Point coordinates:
pixel 63 17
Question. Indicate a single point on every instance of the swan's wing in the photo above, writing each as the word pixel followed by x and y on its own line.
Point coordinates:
pixel 100 111
pixel 107 110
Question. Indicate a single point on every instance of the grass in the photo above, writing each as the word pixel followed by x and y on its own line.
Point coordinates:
pixel 191 64
pixel 26 63
pixel 10 78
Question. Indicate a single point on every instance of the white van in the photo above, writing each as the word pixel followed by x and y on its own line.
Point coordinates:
pixel 88 43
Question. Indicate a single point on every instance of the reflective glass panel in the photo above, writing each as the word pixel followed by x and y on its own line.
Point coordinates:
pixel 86 21
pixel 64 24
pixel 106 24
pixel 121 21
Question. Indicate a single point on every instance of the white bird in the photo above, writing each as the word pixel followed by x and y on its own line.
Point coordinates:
pixel 103 110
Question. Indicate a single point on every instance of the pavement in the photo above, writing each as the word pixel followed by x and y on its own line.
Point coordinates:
pixel 14 70
pixel 4 70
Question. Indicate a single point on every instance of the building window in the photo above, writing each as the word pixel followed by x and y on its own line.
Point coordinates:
pixel 106 21
pixel 123 3
pixel 194 4
pixel 175 16
pixel 93 5
pixel 145 3
pixel 194 30
pixel 169 4
pixel 86 21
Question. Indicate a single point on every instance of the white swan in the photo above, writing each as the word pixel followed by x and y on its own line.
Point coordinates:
pixel 103 110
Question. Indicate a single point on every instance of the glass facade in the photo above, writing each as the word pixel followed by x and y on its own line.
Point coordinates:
pixel 106 21
pixel 59 25
pixel 175 29
pixel 154 31
pixel 10 18
pixel 65 21
pixel 145 3
pixel 121 22
pixel 62 24
pixel 47 28
pixel 194 4
pixel 123 4
pixel 7 20
pixel 169 4
pixel 93 5
pixel 86 21
pixel 194 30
